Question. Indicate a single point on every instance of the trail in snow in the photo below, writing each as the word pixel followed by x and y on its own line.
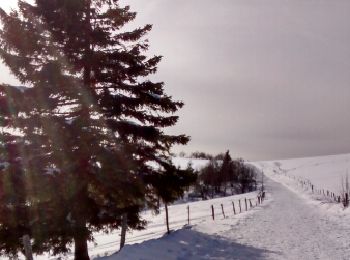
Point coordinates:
pixel 291 228
pixel 287 228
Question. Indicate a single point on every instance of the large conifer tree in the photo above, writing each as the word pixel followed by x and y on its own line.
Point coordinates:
pixel 80 137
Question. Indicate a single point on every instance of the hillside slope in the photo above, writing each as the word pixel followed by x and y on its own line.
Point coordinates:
pixel 325 172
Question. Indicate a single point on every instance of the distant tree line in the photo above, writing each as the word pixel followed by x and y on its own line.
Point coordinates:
pixel 221 177
pixel 203 155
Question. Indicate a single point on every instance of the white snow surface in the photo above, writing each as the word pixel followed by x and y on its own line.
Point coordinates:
pixel 194 241
pixel 196 163
pixel 325 172
pixel 293 223
pixel 200 214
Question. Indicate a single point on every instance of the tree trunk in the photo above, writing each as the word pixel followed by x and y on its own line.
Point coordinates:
pixel 81 249
pixel 27 247
pixel 167 217
pixel 123 231
pixel 202 193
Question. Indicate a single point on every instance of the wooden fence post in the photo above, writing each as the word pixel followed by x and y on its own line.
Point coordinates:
pixel 246 206
pixel 233 206
pixel 223 212
pixel 27 247
pixel 212 212
pixel 124 227
pixel 188 214
pixel 240 208
pixel 250 202
pixel 167 217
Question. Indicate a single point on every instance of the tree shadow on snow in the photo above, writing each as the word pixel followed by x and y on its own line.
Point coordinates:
pixel 187 244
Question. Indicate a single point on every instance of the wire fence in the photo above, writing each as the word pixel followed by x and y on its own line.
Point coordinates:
pixel 324 194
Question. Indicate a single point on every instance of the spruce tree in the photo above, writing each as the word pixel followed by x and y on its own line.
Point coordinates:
pixel 226 171
pixel 171 185
pixel 86 127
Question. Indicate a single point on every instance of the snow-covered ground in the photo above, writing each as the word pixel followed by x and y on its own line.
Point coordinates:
pixel 293 223
pixel 200 214
pixel 286 227
pixel 200 241
pixel 325 173
pixel 200 219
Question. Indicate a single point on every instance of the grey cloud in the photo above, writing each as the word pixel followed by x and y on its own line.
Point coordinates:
pixel 266 79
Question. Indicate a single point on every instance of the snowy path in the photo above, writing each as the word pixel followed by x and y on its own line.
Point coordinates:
pixel 287 228
pixel 290 228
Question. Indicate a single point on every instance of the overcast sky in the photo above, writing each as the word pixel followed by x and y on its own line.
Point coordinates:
pixel 266 79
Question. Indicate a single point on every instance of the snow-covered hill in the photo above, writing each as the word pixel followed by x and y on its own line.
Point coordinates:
pixel 325 172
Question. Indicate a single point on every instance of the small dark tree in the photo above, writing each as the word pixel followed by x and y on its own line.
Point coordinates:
pixel 209 175
pixel 226 171
pixel 246 178
pixel 241 177
pixel 170 185
pixel 201 155
pixel 220 156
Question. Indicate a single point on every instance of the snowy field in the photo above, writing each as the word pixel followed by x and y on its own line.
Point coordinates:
pixel 325 172
pixel 200 219
pixel 200 214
